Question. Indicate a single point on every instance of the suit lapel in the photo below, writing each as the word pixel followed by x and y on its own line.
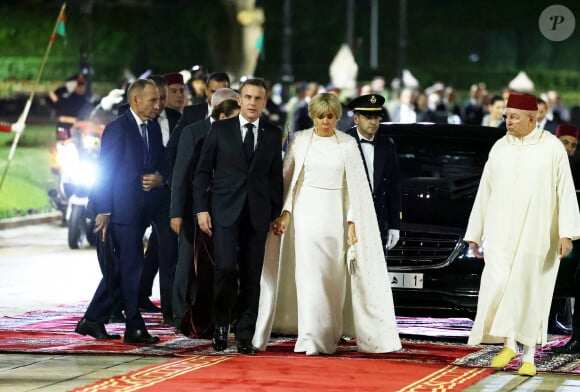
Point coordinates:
pixel 261 139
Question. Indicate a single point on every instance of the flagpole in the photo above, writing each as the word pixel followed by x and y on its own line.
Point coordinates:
pixel 24 114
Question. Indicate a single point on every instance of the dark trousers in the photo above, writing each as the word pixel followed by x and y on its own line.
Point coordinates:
pixel 161 255
pixel 239 256
pixel 567 286
pixel 150 266
pixel 126 280
pixel 184 284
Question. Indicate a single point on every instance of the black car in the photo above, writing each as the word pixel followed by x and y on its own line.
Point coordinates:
pixel 433 272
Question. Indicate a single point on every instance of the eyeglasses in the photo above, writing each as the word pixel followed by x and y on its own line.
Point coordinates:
pixel 511 117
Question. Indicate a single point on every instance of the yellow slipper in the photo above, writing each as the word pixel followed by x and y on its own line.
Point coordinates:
pixel 502 359
pixel 527 369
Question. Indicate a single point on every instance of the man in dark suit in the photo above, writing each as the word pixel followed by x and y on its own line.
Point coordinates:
pixel 164 258
pixel 127 191
pixel 381 164
pixel 181 214
pixel 542 120
pixel 242 160
pixel 194 113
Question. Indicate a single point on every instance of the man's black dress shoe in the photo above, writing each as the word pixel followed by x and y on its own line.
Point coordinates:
pixel 572 347
pixel 95 329
pixel 220 337
pixel 146 306
pixel 139 336
pixel 246 347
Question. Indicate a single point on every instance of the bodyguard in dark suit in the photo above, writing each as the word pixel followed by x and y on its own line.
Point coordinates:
pixel 242 160
pixel 182 217
pixel 381 164
pixel 131 169
pixel 194 113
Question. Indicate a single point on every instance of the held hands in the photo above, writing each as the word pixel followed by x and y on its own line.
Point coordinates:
pixel 564 247
pixel 351 240
pixel 204 222
pixel 281 223
pixel 475 249
pixel 175 224
pixel 150 181
pixel 101 224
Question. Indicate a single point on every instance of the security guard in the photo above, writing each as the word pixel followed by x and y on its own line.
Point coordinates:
pixel 381 164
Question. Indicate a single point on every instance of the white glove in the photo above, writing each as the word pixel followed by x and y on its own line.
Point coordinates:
pixel 114 97
pixel 17 127
pixel 392 239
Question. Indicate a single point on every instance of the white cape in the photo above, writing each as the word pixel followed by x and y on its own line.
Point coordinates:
pixel 369 311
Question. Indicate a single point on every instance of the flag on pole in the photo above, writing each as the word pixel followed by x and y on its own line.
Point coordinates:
pixel 61 26
pixel 20 124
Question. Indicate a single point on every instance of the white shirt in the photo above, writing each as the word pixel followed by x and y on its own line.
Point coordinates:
pixel 139 122
pixel 368 151
pixel 542 124
pixel 164 124
pixel 243 130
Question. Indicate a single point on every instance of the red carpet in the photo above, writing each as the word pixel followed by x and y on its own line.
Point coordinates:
pixel 290 374
pixel 545 360
pixel 413 350
pixel 52 332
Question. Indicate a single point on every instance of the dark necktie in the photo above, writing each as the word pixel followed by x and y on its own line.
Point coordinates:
pixel 145 143
pixel 371 142
pixel 249 141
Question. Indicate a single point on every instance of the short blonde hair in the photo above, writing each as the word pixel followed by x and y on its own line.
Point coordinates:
pixel 323 103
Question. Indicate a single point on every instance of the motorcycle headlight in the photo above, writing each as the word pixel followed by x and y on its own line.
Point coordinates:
pixel 86 174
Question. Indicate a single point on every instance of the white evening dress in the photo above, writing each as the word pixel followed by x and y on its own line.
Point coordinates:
pixel 306 288
pixel 319 223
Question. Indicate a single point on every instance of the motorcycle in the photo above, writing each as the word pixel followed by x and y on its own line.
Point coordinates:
pixel 75 163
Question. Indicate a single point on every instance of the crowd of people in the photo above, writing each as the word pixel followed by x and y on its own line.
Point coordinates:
pixel 271 218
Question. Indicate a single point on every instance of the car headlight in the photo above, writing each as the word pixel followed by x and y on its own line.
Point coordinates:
pixel 468 252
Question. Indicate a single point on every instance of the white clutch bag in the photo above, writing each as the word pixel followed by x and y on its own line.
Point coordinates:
pixel 351 259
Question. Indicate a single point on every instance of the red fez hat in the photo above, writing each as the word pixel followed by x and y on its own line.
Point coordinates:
pixel 174 78
pixel 522 102
pixel 567 130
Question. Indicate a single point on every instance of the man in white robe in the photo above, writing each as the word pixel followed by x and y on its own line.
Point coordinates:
pixel 525 216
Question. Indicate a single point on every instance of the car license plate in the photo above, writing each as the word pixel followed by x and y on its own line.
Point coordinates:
pixel 406 280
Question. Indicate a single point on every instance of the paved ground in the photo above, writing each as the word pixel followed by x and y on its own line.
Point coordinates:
pixel 38 271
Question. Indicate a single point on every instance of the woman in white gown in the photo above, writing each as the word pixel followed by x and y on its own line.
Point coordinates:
pixel 308 288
